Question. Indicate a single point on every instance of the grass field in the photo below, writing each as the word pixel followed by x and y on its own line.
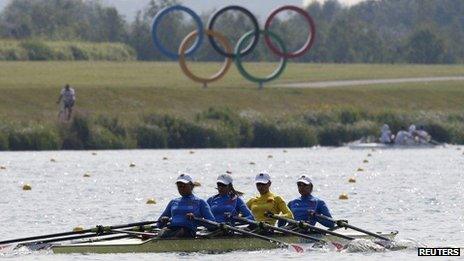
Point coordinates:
pixel 131 89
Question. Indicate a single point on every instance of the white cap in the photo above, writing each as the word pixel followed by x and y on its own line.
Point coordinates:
pixel 412 128
pixel 305 179
pixel 225 179
pixel 184 178
pixel 262 178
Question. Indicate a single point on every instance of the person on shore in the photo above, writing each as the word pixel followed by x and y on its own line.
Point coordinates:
pixel 228 203
pixel 386 136
pixel 68 97
pixel 181 211
pixel 267 201
pixel 303 207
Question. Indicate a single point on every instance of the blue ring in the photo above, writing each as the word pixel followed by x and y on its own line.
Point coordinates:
pixel 157 20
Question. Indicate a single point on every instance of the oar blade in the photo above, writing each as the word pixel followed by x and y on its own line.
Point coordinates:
pixel 297 248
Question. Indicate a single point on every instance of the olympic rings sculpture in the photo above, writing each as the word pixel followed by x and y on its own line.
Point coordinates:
pixel 232 54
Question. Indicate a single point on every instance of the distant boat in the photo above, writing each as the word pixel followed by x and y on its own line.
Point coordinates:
pixel 359 144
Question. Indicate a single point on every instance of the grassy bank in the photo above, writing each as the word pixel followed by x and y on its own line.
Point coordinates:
pixel 131 93
pixel 38 50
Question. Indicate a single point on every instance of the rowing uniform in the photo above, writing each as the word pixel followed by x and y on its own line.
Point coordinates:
pixel 301 207
pixel 268 202
pixel 224 205
pixel 179 207
pixel 404 138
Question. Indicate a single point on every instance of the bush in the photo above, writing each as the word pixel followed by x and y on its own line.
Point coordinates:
pixel 4 144
pixel 102 138
pixel 38 50
pixel 151 137
pixel 334 134
pixel 34 138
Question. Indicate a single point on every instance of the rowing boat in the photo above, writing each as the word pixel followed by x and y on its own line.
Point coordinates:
pixel 360 145
pixel 202 244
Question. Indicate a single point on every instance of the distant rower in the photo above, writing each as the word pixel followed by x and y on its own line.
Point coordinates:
pixel 386 137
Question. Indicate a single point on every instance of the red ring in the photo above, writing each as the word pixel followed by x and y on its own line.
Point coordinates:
pixel 311 36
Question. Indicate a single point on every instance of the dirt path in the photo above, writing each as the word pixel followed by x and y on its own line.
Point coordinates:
pixel 329 84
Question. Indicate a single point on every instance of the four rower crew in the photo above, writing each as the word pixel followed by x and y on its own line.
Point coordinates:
pixel 412 136
pixel 178 217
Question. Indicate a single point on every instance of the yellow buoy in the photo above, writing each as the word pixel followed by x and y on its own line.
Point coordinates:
pixel 343 196
pixel 2 167
pixel 53 160
pixel 87 175
pixel 365 161
pixel 151 201
pixel 132 165
pixel 352 180
pixel 27 187
pixel 252 163
pixel 360 169
pixel 78 229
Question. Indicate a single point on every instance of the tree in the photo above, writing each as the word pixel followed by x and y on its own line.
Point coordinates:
pixel 425 47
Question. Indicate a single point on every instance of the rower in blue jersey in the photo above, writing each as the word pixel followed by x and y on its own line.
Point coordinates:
pixel 303 206
pixel 227 203
pixel 180 211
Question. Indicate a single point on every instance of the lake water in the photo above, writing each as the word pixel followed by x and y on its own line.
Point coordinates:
pixel 418 192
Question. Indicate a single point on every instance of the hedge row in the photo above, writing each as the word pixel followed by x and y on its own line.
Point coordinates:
pixel 37 50
pixel 223 129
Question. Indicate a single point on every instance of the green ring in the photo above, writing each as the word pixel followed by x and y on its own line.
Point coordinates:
pixel 238 59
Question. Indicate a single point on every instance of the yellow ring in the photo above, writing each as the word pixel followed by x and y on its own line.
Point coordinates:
pixel 186 43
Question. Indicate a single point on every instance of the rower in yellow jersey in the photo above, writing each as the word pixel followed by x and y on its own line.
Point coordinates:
pixel 267 201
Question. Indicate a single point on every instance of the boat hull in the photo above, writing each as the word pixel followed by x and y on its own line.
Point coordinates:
pixel 209 245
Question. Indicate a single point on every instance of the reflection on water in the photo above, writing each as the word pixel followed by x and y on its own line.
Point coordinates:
pixel 416 191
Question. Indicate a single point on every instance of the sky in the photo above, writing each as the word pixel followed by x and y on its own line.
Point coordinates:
pixel 129 7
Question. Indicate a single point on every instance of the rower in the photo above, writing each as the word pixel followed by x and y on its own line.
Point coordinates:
pixel 228 203
pixel 386 137
pixel 403 137
pixel 422 135
pixel 304 206
pixel 181 211
pixel 267 201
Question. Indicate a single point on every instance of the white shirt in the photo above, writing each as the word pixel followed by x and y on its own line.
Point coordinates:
pixel 68 95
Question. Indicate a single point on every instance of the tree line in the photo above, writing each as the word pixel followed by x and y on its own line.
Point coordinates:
pixel 380 31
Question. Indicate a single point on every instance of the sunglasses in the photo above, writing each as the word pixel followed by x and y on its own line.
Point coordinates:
pixel 221 185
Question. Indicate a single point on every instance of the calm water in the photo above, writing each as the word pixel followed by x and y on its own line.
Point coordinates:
pixel 419 192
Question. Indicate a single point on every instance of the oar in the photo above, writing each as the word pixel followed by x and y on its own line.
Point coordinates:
pixel 46 243
pixel 346 225
pixel 305 225
pixel 226 227
pixel 38 245
pixel 283 230
pixel 97 230
pixel 134 233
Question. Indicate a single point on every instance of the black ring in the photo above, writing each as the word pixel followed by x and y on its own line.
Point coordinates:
pixel 253 19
